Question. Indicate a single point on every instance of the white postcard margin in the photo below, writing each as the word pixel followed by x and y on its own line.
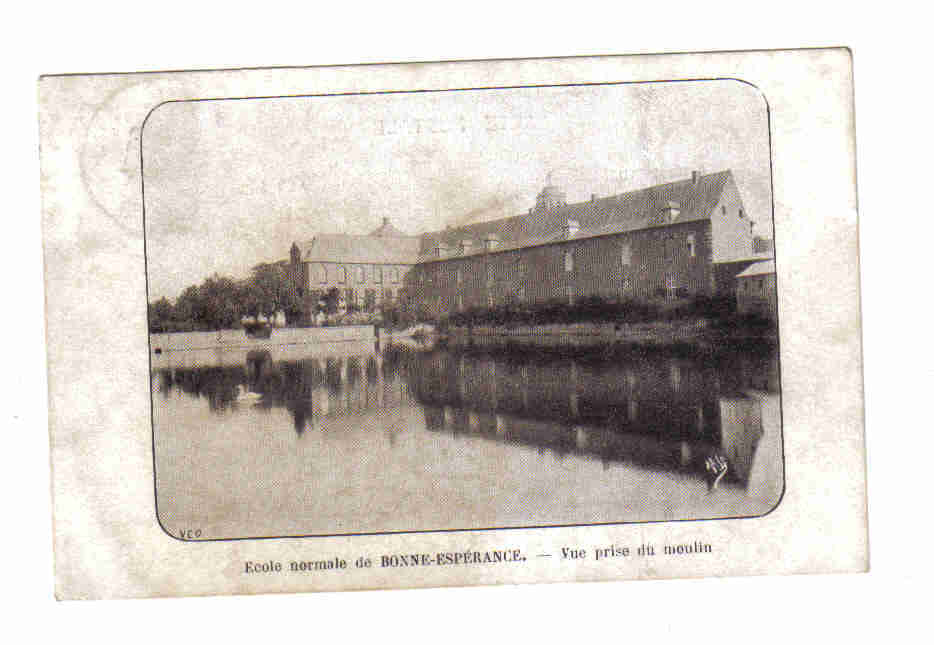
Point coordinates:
pixel 106 538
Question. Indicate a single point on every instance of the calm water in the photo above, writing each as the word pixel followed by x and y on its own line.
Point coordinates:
pixel 351 438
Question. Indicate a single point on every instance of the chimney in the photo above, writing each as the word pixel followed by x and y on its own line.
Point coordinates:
pixel 490 241
pixel 571 228
pixel 695 177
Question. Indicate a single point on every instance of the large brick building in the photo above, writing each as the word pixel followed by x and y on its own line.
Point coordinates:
pixel 682 239
pixel 366 270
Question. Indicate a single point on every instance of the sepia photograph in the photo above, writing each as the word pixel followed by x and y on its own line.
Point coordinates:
pixel 492 308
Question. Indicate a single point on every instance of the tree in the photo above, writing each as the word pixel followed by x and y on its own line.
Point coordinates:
pixel 270 289
pixel 160 315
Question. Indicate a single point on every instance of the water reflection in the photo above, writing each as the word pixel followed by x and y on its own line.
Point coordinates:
pixel 663 412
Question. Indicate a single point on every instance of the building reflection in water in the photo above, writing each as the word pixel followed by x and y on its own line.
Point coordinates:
pixel 666 413
pixel 661 412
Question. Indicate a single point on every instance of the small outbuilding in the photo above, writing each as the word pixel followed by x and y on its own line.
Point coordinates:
pixel 756 290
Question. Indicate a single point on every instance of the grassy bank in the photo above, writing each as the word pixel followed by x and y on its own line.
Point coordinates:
pixel 720 312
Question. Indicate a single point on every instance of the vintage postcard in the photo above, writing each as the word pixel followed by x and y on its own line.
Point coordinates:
pixel 453 323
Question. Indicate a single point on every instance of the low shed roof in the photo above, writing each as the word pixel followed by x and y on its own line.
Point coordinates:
pixel 759 268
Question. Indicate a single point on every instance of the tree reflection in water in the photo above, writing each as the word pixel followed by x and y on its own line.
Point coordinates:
pixel 668 410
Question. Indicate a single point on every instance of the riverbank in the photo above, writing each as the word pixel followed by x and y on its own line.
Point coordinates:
pixel 238 338
pixel 695 332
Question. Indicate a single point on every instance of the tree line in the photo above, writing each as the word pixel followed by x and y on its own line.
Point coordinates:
pixel 221 302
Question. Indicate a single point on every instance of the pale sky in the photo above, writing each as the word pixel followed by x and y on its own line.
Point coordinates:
pixel 232 183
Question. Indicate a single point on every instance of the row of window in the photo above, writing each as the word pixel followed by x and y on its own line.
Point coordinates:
pixel 323 274
pixel 625 255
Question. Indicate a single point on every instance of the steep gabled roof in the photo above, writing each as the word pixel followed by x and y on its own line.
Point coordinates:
pixel 360 249
pixel 621 213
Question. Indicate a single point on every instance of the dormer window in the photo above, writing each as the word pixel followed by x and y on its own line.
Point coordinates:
pixel 671 211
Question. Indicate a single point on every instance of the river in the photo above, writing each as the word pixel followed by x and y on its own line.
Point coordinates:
pixel 351 437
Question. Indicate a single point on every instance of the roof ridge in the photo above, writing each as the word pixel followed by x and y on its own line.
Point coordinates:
pixel 608 198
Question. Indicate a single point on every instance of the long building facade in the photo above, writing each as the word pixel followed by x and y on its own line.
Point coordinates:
pixel 683 239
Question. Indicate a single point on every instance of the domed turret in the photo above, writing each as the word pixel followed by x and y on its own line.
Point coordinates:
pixel 550 198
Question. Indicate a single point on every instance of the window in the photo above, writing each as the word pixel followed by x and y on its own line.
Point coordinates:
pixel 460 275
pixel 671 287
pixel 341 274
pixel 361 274
pixel 692 246
pixel 378 275
pixel 490 273
pixel 395 274
pixel 568 261
pixel 321 273
pixel 625 254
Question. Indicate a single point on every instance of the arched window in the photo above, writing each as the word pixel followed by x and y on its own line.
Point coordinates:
pixel 361 274
pixel 341 274
pixel 378 275
pixel 395 274
pixel 321 273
